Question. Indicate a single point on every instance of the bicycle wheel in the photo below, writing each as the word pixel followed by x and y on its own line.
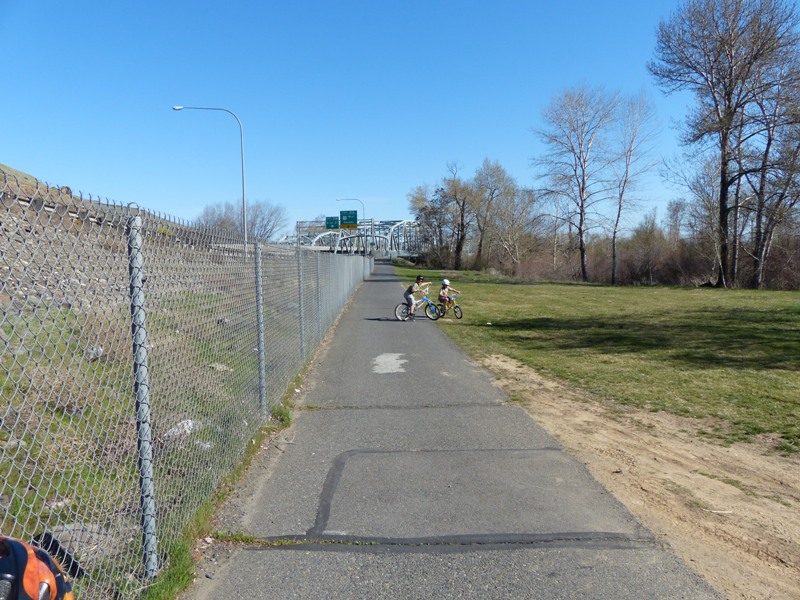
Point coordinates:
pixel 457 311
pixel 440 308
pixel 401 311
pixel 431 312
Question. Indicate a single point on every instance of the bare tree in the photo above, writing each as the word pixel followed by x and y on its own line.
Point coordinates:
pixel 769 158
pixel 577 157
pixel 515 219
pixel 776 194
pixel 446 215
pixel 726 53
pixel 646 251
pixel 495 192
pixel 264 220
pixel 691 219
pixel 434 222
pixel 634 137
pixel 223 217
pixel 458 195
pixel 704 189
pixel 675 220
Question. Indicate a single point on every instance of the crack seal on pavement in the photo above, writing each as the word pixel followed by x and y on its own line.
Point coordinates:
pixel 461 543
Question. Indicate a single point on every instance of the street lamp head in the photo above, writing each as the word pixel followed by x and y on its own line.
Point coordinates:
pixel 177 108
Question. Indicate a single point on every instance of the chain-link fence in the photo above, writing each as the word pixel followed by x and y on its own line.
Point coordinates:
pixel 139 358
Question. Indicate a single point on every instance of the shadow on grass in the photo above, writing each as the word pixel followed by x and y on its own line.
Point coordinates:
pixel 701 339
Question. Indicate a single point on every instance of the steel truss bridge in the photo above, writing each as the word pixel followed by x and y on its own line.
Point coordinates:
pixel 393 238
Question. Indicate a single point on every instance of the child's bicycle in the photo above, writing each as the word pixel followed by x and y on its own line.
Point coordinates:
pixel 431 310
pixel 453 306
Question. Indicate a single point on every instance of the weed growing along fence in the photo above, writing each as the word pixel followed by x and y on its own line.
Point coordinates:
pixel 139 358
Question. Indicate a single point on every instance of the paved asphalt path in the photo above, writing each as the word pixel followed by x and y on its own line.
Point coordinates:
pixel 408 476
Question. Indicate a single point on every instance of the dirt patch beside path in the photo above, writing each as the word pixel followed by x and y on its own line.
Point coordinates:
pixel 732 513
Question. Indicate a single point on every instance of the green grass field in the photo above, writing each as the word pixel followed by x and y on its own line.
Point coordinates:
pixel 732 355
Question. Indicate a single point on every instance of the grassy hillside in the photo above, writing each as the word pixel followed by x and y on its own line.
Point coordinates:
pixel 23 178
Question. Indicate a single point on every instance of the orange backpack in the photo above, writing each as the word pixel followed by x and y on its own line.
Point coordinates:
pixel 29 573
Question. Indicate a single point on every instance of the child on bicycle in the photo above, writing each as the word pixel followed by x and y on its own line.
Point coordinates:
pixel 445 294
pixel 411 290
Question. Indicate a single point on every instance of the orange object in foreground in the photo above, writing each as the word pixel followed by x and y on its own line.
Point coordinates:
pixel 30 573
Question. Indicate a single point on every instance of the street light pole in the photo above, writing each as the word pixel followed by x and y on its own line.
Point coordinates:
pixel 241 144
pixel 363 212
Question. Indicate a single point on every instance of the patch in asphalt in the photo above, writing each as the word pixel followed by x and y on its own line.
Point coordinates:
pixel 389 363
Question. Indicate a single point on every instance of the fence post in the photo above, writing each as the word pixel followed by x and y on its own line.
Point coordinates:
pixel 300 302
pixel 262 358
pixel 320 328
pixel 141 386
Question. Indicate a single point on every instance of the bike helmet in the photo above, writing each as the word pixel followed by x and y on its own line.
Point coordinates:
pixel 420 278
pixel 28 573
pixel 445 282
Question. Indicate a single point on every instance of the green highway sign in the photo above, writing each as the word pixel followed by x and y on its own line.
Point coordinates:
pixel 331 222
pixel 348 219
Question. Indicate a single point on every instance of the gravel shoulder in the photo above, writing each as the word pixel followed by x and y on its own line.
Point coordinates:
pixel 730 512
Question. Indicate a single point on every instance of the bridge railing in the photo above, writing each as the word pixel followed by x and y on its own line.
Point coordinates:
pixel 398 237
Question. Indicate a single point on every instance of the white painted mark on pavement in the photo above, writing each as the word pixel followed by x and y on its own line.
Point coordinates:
pixel 388 363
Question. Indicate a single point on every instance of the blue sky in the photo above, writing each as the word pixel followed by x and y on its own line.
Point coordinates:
pixel 338 99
